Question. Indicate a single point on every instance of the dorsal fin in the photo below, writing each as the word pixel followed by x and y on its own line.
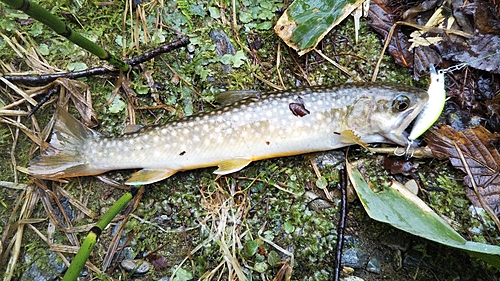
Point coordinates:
pixel 132 128
pixel 229 97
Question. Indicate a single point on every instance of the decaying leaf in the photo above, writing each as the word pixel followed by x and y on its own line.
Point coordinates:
pixel 483 46
pixel 383 17
pixel 482 157
pixel 305 23
pixel 463 32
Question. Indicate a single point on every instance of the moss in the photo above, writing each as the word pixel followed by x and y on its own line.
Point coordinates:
pixel 268 196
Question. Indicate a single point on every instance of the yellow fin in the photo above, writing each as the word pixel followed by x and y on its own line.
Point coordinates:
pixel 233 165
pixel 64 157
pixel 147 176
pixel 349 136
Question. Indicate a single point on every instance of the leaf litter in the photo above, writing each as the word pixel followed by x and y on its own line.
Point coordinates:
pixel 474 152
pixel 222 218
pixel 476 22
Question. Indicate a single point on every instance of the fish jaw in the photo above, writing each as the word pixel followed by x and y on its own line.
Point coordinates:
pixel 391 112
pixel 398 134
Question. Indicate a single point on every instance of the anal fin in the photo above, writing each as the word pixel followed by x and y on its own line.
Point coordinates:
pixel 147 176
pixel 232 165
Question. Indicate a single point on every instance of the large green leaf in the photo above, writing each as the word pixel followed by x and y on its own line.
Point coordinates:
pixel 306 22
pixel 404 210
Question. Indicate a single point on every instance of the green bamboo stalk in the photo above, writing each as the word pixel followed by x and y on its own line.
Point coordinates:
pixel 41 14
pixel 88 244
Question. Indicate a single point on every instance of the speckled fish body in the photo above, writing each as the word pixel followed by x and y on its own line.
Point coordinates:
pixel 261 126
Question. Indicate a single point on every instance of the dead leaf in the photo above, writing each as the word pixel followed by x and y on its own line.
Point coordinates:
pixel 382 19
pixel 477 19
pixel 305 23
pixel 479 151
pixel 479 52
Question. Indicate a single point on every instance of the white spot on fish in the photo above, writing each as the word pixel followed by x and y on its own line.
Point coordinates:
pixel 206 128
pixel 157 153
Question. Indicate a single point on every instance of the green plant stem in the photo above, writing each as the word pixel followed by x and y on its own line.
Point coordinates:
pixel 91 239
pixel 41 14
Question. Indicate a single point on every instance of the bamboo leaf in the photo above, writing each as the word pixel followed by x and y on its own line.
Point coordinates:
pixel 404 210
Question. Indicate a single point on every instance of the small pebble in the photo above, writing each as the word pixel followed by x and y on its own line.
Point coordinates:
pixel 137 266
pixel 373 265
pixel 412 186
pixel 354 258
pixel 127 253
pixel 352 278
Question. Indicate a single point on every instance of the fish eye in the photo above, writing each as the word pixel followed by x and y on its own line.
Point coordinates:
pixel 400 103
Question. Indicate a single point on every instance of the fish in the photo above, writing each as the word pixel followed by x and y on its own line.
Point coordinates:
pixel 252 127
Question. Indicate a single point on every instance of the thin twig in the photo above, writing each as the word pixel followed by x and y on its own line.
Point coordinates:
pixel 47 78
pixel 340 67
pixel 420 27
pixel 341 224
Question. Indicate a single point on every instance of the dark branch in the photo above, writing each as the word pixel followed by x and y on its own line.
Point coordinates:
pixel 35 80
pixel 341 225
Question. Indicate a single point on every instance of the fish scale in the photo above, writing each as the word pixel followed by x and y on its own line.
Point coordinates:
pixel 258 126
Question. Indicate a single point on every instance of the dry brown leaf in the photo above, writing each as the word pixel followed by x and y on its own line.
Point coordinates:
pixel 478 148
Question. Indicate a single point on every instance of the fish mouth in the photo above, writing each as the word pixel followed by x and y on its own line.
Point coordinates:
pixel 398 135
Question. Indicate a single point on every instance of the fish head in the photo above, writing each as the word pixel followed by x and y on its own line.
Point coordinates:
pixel 389 111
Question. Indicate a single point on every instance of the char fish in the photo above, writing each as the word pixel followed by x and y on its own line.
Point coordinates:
pixel 259 126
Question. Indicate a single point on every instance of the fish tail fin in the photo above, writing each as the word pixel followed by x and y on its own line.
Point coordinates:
pixel 64 157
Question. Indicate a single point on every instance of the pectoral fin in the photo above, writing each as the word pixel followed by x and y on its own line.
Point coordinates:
pixel 146 176
pixel 349 136
pixel 231 166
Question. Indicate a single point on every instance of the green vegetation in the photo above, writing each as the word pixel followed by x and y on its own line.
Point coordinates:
pixel 191 218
